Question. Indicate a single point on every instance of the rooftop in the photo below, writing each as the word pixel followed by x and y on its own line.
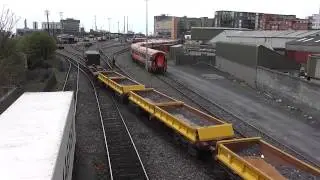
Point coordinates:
pixel 92 52
pixel 270 39
pixel 30 135
pixel 307 41
pixel 222 28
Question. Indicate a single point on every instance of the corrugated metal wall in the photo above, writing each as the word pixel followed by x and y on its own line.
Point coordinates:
pixel 271 59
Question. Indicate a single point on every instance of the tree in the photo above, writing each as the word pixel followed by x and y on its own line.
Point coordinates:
pixel 9 55
pixel 38 46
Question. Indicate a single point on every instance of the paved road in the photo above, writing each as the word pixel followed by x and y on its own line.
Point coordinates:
pixel 277 123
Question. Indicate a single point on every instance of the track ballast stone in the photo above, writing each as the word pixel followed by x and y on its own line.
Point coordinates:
pixel 295 174
pixel 153 96
pixel 253 150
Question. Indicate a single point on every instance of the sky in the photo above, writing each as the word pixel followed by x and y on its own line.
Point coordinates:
pixel 33 10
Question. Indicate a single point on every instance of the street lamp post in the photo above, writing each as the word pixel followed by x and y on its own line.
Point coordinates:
pixel 109 28
pixel 147 57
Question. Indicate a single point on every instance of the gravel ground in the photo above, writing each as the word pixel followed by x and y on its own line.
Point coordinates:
pixel 289 172
pixel 90 156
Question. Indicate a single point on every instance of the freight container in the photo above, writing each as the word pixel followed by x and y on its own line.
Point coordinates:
pixel 92 57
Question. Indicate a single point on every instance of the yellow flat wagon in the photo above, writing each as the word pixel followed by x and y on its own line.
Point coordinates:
pixel 193 124
pixel 121 85
pixel 148 99
pixel 254 159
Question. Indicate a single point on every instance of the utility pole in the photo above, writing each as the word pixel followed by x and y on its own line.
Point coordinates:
pixel 109 19
pixel 127 25
pixel 95 22
pixel 61 21
pixel 47 14
pixel 124 24
pixel 147 57
pixel 118 29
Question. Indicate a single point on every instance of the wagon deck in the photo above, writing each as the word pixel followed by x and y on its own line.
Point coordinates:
pixel 192 123
pixel 191 116
pixel 120 84
pixel 252 158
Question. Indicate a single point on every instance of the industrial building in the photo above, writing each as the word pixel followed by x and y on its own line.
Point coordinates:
pixel 272 39
pixel 301 49
pixel 204 34
pixel 315 21
pixel 176 27
pixel 54 27
pixel 259 21
pixel 70 26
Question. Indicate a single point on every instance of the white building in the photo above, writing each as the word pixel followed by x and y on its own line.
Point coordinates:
pixel 316 21
pixel 52 25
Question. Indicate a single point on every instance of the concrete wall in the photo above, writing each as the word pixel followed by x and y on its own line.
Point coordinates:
pixel 243 72
pixel 289 87
pixel 244 54
pixel 189 60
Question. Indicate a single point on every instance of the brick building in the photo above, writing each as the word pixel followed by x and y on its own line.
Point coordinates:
pixel 259 21
pixel 176 27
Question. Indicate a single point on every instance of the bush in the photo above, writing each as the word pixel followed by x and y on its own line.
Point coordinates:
pixel 38 46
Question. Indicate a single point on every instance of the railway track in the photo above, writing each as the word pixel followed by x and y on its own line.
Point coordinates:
pixel 71 80
pixel 123 158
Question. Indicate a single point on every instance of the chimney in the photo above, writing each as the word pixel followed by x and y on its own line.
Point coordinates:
pixel 25 24
pixel 35 25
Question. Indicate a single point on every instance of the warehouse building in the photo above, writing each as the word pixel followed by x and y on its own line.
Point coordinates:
pixel 315 21
pixel 205 34
pixel 54 27
pixel 301 49
pixel 271 39
pixel 70 26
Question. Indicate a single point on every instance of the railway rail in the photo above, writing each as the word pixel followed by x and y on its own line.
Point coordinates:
pixel 123 158
pixel 70 82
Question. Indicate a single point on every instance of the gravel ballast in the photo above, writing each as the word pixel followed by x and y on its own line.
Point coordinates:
pixel 126 82
pixel 286 171
pixel 90 155
pixel 189 116
pixel 153 96
pixel 295 174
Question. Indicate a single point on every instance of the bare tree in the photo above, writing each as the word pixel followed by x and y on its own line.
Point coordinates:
pixel 7 47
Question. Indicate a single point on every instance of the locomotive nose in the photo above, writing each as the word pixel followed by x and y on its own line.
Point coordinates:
pixel 160 60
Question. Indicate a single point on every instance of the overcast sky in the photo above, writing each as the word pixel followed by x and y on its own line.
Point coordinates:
pixel 33 10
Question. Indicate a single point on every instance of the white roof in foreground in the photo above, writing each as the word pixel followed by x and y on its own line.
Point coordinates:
pixel 31 130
